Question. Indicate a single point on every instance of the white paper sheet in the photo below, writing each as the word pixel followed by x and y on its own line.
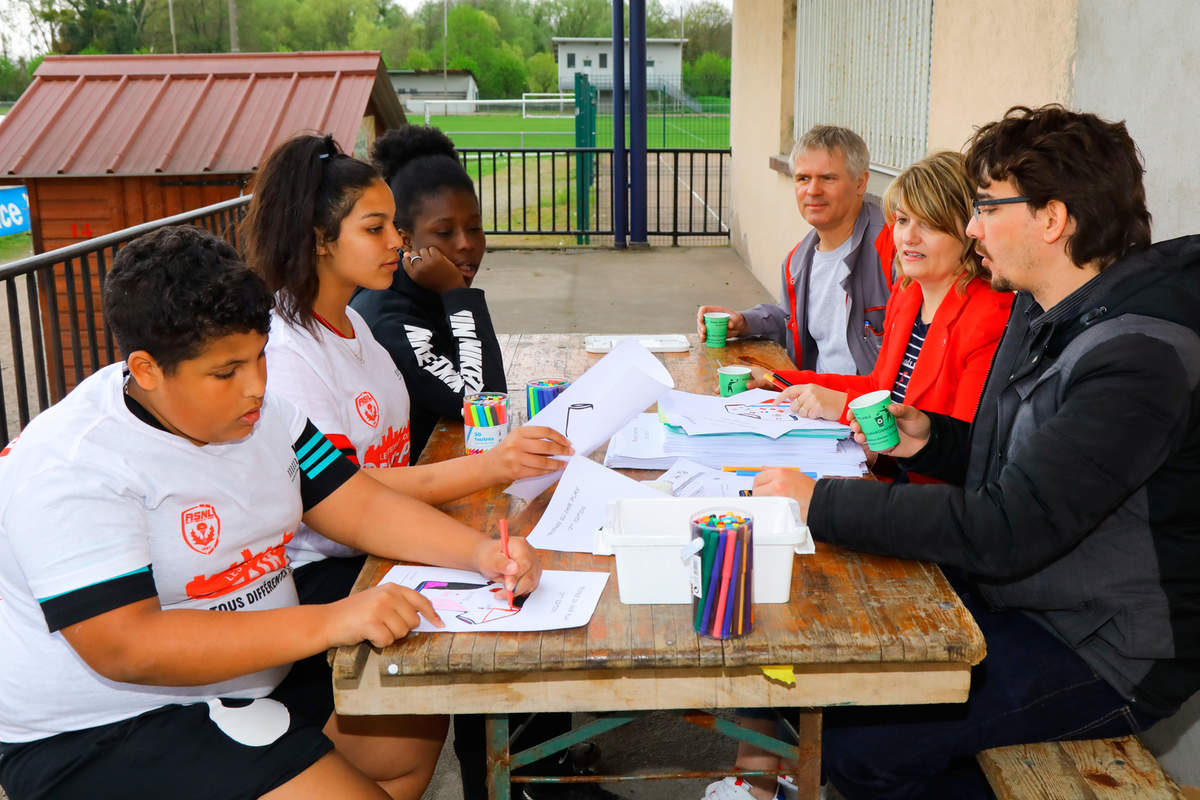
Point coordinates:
pixel 595 406
pixel 467 602
pixel 747 412
pixel 576 511
pixel 690 479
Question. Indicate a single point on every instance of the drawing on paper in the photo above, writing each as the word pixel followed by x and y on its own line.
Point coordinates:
pixel 578 408
pixel 473 603
pixel 762 412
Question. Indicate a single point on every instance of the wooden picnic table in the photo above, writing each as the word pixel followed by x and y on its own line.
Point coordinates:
pixel 858 629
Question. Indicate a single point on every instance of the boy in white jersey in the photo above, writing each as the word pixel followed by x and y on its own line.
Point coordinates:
pixel 148 505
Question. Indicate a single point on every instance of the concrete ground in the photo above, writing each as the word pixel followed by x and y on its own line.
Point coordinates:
pixel 613 291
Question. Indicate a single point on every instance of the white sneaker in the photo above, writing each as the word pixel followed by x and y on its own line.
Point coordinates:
pixel 733 789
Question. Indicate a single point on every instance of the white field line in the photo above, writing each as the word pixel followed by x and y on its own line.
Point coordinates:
pixel 685 131
pixel 663 165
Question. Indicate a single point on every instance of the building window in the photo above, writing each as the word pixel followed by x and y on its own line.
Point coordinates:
pixel 649 63
pixel 847 74
pixel 604 61
pixel 570 60
pixel 587 62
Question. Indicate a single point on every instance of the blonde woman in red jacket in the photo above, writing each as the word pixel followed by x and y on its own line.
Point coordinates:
pixel 943 321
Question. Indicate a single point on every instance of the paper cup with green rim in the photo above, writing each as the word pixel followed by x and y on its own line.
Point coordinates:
pixel 716 326
pixel 732 379
pixel 877 423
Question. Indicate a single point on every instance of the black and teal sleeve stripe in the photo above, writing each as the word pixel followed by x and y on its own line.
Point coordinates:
pixel 323 467
pixel 68 608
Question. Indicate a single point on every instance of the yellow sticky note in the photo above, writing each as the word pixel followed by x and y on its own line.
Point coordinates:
pixel 782 673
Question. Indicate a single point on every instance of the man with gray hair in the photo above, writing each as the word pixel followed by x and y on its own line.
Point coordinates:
pixel 836 281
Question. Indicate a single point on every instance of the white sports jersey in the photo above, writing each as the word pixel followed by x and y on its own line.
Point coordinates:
pixel 95 502
pixel 352 392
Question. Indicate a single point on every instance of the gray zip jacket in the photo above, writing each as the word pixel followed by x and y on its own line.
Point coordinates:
pixel 868 286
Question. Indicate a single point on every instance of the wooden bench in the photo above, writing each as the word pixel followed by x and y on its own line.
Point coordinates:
pixel 1095 769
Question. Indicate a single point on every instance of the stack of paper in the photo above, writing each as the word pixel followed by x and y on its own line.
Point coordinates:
pixel 645 443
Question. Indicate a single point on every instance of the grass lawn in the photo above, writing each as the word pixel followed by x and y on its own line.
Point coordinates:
pixel 19 245
pixel 512 130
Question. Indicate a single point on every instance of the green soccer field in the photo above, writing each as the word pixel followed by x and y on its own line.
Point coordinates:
pixel 511 130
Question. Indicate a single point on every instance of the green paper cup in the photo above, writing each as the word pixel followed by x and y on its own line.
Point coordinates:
pixel 716 325
pixel 732 380
pixel 877 423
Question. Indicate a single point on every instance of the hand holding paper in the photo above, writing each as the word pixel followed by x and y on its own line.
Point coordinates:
pixel 615 390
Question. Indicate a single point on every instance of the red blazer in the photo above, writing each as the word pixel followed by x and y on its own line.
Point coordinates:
pixel 954 361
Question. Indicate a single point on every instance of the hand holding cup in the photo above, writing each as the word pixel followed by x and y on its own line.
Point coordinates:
pixel 912 427
pixel 736 325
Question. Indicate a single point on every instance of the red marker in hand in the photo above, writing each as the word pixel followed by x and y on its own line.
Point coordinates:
pixel 504 549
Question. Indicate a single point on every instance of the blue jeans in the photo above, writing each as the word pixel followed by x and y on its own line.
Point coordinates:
pixel 1031 687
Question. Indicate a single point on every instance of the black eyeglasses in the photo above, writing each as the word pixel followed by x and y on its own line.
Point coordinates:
pixel 998 201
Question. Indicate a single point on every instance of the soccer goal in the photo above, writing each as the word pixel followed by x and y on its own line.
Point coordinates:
pixel 554 105
pixel 545 107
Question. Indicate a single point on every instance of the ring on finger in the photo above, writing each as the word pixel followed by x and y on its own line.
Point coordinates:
pixel 414 259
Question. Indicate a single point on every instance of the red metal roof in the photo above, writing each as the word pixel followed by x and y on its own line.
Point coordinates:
pixel 186 114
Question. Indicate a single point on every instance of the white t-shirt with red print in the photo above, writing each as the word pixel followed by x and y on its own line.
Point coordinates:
pixel 352 391
pixel 99 509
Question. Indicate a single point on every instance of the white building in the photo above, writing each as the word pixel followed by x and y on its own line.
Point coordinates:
pixel 415 87
pixel 593 57
pixel 943 69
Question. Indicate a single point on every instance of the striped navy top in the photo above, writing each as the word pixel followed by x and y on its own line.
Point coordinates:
pixel 915 341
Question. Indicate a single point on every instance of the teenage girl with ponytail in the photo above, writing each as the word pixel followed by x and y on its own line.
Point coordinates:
pixel 319 227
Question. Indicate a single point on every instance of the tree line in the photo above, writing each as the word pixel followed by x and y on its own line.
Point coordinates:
pixel 505 43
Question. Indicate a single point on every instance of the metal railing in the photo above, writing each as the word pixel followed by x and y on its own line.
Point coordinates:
pixel 534 193
pixel 53 326
pixel 53 335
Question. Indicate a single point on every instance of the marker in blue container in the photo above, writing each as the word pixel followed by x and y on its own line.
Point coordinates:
pixel 539 393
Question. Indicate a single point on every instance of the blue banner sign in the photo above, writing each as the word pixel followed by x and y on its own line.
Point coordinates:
pixel 14 210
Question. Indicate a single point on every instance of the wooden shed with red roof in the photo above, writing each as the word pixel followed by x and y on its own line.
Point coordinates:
pixel 108 141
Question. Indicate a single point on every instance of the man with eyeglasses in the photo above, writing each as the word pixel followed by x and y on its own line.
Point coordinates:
pixel 837 280
pixel 1070 524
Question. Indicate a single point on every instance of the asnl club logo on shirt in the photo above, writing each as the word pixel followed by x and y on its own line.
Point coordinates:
pixel 201 528
pixel 368 408
pixel 242 573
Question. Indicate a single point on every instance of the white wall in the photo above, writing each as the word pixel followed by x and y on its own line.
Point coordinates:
pixel 764 222
pixel 1138 62
pixel 667 58
pixel 990 56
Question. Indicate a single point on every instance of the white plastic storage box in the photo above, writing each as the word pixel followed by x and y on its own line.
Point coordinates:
pixel 651 540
